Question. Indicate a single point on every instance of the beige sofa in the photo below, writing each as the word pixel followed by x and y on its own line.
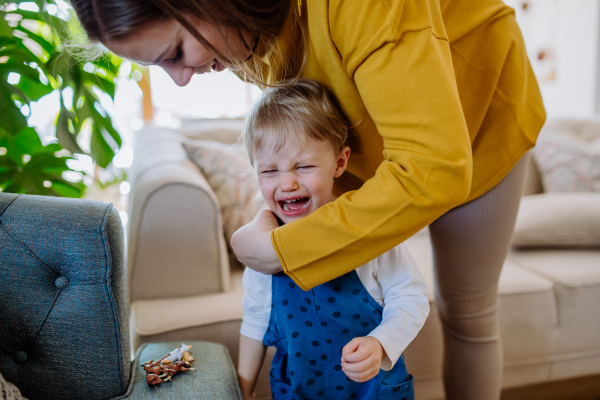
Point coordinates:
pixel 182 286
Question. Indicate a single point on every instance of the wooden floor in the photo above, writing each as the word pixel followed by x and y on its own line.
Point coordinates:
pixel 587 388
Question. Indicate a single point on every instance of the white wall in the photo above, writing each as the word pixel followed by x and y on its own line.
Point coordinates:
pixel 568 32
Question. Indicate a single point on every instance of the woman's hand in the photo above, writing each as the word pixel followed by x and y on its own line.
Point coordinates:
pixel 361 358
pixel 252 244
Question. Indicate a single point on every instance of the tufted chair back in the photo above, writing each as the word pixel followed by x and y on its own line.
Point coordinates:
pixel 63 299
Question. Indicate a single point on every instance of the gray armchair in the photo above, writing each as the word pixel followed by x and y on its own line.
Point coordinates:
pixel 64 309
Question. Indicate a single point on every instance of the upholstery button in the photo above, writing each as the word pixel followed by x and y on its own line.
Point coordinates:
pixel 61 282
pixel 20 357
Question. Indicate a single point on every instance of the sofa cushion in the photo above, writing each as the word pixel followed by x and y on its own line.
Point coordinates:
pixel 152 317
pixel 64 303
pixel 527 313
pixel 576 278
pixel 558 219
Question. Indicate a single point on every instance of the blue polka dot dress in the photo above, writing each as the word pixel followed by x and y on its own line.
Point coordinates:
pixel 309 330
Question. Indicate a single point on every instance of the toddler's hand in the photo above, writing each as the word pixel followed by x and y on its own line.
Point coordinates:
pixel 361 358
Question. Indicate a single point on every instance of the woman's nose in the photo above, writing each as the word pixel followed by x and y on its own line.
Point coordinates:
pixel 180 74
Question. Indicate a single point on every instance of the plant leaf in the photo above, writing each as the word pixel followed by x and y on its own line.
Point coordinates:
pixel 28 142
pixel 101 151
pixel 15 90
pixel 5 29
pixel 64 135
pixel 34 88
pixel 5 41
pixel 58 24
pixel 11 118
pixel 47 46
pixel 19 55
pixel 19 68
pixel 102 83
pixel 68 189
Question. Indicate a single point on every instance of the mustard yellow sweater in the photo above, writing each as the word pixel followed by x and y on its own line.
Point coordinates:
pixel 444 102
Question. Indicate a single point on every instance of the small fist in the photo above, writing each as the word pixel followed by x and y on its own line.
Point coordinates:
pixel 361 358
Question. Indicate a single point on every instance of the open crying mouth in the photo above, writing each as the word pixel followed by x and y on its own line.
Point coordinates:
pixel 294 205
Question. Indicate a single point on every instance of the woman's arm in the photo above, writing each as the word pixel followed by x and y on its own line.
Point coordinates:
pixel 400 61
pixel 400 65
pixel 252 355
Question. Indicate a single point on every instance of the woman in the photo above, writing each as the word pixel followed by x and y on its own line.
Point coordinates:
pixel 445 107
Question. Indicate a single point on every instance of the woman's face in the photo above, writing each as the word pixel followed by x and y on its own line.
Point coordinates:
pixel 171 46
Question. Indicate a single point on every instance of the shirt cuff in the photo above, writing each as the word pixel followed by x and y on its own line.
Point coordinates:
pixel 387 362
pixel 252 331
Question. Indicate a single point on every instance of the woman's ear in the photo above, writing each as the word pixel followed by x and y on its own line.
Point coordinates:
pixel 342 162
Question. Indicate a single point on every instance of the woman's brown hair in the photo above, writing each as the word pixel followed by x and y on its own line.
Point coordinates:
pixel 112 20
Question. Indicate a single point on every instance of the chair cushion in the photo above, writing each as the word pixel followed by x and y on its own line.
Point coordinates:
pixel 215 378
pixel 64 331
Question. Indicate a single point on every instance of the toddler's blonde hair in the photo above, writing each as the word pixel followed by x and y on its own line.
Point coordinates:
pixel 304 107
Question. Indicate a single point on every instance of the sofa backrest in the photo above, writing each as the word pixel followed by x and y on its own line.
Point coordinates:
pixel 226 131
pixel 64 307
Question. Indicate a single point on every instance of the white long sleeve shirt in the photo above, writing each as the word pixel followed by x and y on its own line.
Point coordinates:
pixel 392 279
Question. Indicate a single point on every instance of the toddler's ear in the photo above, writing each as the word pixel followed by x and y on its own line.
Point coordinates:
pixel 342 162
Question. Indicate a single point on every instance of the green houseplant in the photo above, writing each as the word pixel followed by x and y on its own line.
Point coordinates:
pixel 34 63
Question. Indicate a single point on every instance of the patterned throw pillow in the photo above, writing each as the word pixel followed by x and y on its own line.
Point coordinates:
pixel 230 175
pixel 568 163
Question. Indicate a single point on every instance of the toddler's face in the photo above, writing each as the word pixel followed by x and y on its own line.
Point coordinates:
pixel 298 179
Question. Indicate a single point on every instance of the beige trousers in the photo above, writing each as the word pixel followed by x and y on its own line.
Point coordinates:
pixel 470 243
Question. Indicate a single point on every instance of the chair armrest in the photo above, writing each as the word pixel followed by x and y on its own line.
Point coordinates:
pixel 176 246
pixel 64 307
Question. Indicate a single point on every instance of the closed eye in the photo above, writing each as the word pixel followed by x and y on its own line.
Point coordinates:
pixel 268 171
pixel 305 167
pixel 178 55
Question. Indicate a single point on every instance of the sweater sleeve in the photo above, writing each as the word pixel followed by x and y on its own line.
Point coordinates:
pixel 256 303
pixel 400 60
pixel 405 303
